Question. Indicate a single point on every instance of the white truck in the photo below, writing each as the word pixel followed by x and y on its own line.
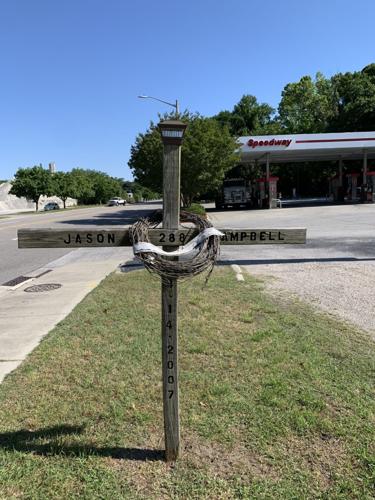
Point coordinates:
pixel 235 192
pixel 116 201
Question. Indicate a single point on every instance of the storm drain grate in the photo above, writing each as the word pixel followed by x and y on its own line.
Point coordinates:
pixel 42 288
pixel 16 281
pixel 41 274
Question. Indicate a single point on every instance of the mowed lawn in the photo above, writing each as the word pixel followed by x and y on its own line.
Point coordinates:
pixel 277 401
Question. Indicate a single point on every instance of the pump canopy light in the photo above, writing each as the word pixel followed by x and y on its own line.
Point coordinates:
pixel 172 131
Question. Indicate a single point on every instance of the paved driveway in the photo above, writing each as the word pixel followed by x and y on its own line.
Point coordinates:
pixel 335 270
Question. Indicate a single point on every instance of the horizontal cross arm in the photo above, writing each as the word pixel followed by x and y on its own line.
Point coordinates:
pixel 77 238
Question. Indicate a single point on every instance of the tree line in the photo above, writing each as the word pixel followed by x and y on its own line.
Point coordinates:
pixel 344 102
pixel 89 187
pixel 208 151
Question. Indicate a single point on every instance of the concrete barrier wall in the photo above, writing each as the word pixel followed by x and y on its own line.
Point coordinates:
pixel 11 203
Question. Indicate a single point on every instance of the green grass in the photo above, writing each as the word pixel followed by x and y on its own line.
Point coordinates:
pixel 277 402
pixel 196 208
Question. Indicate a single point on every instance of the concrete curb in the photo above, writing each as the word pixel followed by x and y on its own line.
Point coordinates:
pixel 25 318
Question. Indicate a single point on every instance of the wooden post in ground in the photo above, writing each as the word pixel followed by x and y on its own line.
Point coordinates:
pixel 172 133
pixel 169 237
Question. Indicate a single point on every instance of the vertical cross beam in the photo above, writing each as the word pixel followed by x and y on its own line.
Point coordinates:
pixel 169 327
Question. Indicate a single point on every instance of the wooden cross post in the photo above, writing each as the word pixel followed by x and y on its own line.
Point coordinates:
pixel 172 132
pixel 169 236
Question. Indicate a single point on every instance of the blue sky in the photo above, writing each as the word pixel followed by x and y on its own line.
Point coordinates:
pixel 71 70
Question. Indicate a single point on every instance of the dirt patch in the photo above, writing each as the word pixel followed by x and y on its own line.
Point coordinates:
pixel 145 474
pixel 150 477
pixel 223 462
pixel 323 457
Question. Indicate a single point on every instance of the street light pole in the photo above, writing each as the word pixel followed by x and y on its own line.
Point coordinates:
pixel 161 100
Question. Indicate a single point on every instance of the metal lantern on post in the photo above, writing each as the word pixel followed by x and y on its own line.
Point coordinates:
pixel 172 133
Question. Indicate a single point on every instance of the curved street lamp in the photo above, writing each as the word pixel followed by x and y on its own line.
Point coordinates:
pixel 161 100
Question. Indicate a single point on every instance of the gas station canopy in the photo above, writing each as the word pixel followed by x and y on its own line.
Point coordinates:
pixel 307 147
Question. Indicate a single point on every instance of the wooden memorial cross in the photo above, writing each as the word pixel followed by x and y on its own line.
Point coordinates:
pixel 170 236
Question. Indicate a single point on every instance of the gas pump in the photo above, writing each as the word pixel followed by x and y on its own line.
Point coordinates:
pixel 261 192
pixel 370 187
pixel 352 186
pixel 272 190
pixel 334 187
pixel 267 192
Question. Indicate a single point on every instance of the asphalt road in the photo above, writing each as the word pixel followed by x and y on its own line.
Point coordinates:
pixel 16 262
pixel 333 272
pixel 335 233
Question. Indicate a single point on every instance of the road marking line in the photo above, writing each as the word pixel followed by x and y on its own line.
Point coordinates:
pixel 27 224
pixel 238 272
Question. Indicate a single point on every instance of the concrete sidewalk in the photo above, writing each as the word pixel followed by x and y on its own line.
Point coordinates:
pixel 25 318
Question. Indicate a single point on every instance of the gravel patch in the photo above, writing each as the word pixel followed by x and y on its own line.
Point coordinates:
pixel 342 289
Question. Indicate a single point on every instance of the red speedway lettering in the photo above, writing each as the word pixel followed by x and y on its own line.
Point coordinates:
pixel 273 142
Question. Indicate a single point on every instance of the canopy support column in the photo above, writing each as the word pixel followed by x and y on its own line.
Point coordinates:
pixel 364 180
pixel 268 192
pixel 340 171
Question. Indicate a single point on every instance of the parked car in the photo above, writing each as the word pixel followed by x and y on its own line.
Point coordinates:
pixel 51 205
pixel 116 201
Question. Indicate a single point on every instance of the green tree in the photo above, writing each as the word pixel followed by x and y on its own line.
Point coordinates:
pixel 208 151
pixel 64 186
pixel 146 158
pixel 32 183
pixel 249 117
pixel 252 117
pixel 147 194
pixel 355 94
pixel 84 187
pixel 139 192
pixel 308 106
pixel 93 187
